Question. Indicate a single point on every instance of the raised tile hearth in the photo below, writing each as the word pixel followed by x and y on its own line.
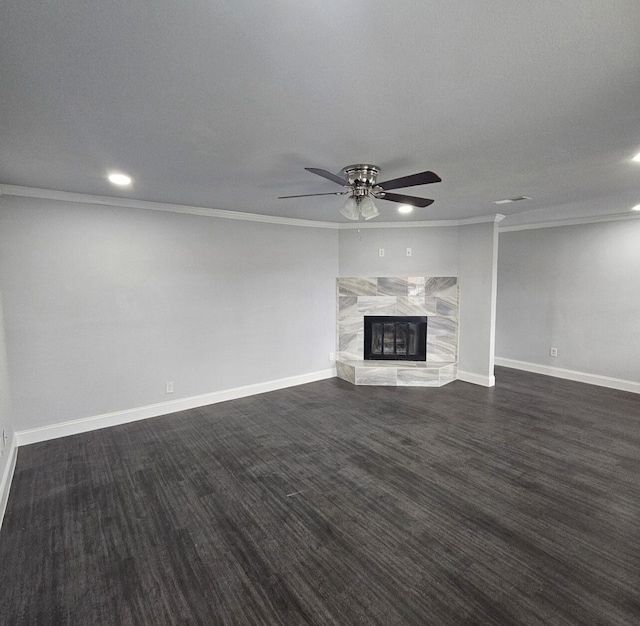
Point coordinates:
pixel 435 297
pixel 397 373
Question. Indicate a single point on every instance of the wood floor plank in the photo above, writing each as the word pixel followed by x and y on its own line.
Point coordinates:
pixel 330 503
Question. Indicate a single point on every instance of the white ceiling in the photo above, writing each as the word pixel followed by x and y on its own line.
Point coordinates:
pixel 223 103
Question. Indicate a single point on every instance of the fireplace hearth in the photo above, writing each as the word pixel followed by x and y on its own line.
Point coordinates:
pixel 395 338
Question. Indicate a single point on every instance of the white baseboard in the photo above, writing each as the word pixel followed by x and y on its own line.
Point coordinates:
pixel 580 377
pixel 83 425
pixel 476 379
pixel 7 477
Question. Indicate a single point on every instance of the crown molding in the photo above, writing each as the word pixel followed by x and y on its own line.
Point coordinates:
pixel 147 205
pixel 572 221
pixel 128 203
pixel 482 219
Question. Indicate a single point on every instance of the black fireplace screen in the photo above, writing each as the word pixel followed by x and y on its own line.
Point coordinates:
pixel 395 338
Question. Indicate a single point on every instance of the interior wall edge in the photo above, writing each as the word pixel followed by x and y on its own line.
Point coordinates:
pixel 7 477
pixel 96 422
pixel 579 377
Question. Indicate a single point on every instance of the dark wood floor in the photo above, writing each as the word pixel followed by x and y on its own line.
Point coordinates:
pixel 334 504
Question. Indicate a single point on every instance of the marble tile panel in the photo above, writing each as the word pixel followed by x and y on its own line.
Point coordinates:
pixel 376 305
pixel 376 376
pixel 357 286
pixel 450 295
pixel 431 305
pixel 418 377
pixel 415 285
pixel 434 285
pixel 442 326
pixel 346 341
pixel 448 374
pixel 351 325
pixel 347 306
pixel 438 351
pixel 411 305
pixel 346 372
pixel 447 342
pixel 352 344
pixel 392 286
pixel 384 364
pixel 446 309
pixel 433 359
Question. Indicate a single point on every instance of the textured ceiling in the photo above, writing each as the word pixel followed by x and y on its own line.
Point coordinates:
pixel 223 103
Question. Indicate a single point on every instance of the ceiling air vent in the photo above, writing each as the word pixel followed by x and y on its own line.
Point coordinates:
pixel 516 199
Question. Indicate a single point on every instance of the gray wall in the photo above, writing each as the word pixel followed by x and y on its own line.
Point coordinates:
pixel 6 417
pixel 468 252
pixel 576 288
pixel 103 305
pixel 477 262
pixel 434 252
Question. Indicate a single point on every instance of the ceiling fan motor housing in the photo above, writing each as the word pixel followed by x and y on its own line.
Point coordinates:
pixel 361 177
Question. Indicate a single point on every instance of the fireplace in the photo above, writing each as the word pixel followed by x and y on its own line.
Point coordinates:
pixel 396 338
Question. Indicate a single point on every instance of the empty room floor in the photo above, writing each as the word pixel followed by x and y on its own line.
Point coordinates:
pixel 329 503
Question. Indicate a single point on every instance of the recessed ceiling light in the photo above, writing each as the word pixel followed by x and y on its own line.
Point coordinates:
pixel 119 179
pixel 405 208
pixel 636 208
pixel 637 157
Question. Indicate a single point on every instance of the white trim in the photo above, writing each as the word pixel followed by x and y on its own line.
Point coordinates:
pixel 128 203
pixel 370 225
pixel 482 219
pixel 7 477
pixel 83 425
pixel 593 219
pixel 580 377
pixel 476 379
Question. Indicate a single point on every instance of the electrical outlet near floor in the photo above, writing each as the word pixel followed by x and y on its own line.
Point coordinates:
pixel 553 351
pixel 168 387
pixel 330 356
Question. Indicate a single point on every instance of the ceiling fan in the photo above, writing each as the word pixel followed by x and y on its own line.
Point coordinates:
pixel 362 187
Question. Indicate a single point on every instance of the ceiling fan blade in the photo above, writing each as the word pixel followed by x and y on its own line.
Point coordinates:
pixel 412 200
pixel 423 178
pixel 328 176
pixel 306 195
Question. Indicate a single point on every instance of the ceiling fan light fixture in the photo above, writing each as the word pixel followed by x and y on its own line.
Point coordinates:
pixel 350 209
pixel 368 209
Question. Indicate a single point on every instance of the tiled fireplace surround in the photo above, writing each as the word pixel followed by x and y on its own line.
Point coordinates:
pixel 433 296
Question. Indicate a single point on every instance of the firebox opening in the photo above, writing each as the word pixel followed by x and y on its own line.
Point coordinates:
pixel 397 338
